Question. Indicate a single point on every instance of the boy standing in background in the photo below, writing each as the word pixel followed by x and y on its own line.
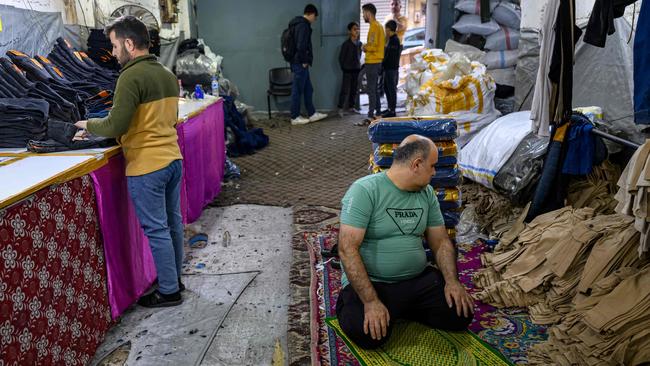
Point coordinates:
pixel 349 60
pixel 391 67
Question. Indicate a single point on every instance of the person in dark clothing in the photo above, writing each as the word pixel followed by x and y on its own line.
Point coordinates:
pixel 301 29
pixel 391 67
pixel 349 60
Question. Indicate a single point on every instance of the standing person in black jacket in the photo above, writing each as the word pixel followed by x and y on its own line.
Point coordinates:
pixel 350 62
pixel 391 67
pixel 302 59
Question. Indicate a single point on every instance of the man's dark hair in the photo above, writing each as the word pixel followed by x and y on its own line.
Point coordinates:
pixel 371 8
pixel 391 25
pixel 352 24
pixel 310 9
pixel 129 27
pixel 415 149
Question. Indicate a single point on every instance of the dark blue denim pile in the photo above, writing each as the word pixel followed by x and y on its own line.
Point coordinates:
pixel 45 96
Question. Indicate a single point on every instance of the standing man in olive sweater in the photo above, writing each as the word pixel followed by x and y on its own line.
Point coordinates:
pixel 143 120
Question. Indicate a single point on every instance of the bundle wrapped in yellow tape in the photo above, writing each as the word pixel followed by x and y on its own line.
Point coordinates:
pixel 445 148
pixel 437 83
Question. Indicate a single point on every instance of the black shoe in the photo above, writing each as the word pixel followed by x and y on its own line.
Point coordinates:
pixel 336 263
pixel 158 300
pixel 333 252
pixel 382 113
pixel 181 287
pixel 389 114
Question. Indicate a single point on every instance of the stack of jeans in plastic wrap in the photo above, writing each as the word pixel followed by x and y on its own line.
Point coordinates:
pixel 72 87
pixel 387 133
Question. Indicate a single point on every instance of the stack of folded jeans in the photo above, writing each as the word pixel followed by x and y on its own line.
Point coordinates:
pixel 16 85
pixel 387 133
pixel 35 71
pixel 100 50
pixel 98 105
pixel 67 100
pixel 21 120
pixel 77 66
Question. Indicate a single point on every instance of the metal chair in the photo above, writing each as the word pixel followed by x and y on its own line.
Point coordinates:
pixel 280 81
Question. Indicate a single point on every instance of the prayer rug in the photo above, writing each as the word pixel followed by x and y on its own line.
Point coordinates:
pixel 412 343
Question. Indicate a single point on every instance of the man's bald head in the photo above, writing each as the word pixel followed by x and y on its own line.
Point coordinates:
pixel 412 147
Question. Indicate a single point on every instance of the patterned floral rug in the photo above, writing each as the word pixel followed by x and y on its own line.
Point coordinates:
pixel 315 285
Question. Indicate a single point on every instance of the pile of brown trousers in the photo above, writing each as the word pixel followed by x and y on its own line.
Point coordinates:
pixel 611 326
pixel 596 190
pixel 495 212
pixel 544 265
pixel 581 271
pixel 634 194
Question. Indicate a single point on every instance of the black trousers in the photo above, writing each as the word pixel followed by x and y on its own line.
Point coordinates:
pixel 349 90
pixel 391 77
pixel 421 299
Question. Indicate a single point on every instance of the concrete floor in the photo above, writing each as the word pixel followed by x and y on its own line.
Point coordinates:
pixel 245 242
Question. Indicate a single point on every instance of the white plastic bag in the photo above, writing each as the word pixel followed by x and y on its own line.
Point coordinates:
pixel 471 24
pixel 473 6
pixel 470 124
pixel 505 76
pixel 482 158
pixel 507 14
pixel 472 53
pixel 501 59
pixel 504 39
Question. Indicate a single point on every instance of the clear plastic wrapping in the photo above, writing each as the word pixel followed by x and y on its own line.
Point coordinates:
pixel 523 168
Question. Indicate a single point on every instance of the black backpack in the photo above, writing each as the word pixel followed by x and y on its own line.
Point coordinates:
pixel 288 44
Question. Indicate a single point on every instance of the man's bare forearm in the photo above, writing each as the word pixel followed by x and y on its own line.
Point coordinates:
pixel 446 260
pixel 358 276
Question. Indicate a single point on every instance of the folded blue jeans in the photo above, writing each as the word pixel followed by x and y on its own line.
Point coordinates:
pixel 157 200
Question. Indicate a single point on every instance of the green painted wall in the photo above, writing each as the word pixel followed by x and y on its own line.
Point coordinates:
pixel 247 34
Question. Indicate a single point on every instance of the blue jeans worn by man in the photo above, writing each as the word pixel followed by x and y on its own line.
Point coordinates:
pixel 157 200
pixel 300 88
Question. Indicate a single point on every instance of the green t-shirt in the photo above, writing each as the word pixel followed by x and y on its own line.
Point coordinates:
pixel 395 222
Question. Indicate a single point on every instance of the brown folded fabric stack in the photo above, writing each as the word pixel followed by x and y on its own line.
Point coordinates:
pixel 495 213
pixel 609 327
pixel 554 257
pixel 633 196
pixel 597 191
pixel 581 271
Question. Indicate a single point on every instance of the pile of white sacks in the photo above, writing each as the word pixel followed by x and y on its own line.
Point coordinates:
pixel 438 84
pixel 501 35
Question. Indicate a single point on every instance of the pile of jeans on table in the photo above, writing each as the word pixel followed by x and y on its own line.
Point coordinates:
pixel 386 134
pixel 72 87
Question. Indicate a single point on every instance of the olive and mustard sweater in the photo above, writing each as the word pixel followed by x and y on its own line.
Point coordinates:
pixel 144 116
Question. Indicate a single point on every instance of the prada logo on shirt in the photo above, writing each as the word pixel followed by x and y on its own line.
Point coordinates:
pixel 406 219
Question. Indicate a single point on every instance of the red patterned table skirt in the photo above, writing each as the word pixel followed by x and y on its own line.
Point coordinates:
pixel 53 301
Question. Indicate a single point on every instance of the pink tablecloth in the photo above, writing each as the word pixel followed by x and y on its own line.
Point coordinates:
pixel 203 146
pixel 130 267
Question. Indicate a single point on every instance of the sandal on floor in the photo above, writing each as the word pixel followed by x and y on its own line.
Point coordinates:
pixel 199 240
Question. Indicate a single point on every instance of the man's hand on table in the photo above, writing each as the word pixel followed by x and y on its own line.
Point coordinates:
pixel 455 293
pixel 376 319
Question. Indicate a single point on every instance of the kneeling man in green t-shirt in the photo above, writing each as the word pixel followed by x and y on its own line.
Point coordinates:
pixel 386 275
